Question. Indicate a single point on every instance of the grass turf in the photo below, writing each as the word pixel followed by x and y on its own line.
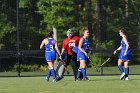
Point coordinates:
pixel 98 84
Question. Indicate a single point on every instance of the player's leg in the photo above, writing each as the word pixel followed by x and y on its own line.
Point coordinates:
pixel 75 70
pixel 48 73
pixel 79 73
pixel 126 70
pixel 120 62
pixel 78 69
pixel 51 68
pixel 70 58
pixel 83 69
pixel 66 61
pixel 66 69
pixel 51 57
pixel 76 66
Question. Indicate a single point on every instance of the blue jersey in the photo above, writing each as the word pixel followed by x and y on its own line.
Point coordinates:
pixel 50 53
pixel 75 49
pixel 85 46
pixel 128 54
pixel 50 46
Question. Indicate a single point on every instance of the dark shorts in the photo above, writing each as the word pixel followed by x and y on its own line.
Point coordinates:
pixel 68 58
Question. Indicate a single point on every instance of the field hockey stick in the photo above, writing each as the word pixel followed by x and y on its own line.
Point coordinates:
pixel 62 61
pixel 107 60
pixel 92 64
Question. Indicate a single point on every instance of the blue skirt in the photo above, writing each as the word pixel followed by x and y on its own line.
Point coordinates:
pixel 50 56
pixel 81 56
pixel 127 57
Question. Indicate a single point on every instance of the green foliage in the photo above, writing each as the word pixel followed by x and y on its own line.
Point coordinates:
pixel 115 18
pixel 31 68
pixel 6 25
pixel 5 28
pixel 97 59
pixel 37 16
pixel 57 13
pixel 106 45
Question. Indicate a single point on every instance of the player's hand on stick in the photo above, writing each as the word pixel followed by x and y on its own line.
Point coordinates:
pixel 60 57
pixel 115 52
pixel 86 55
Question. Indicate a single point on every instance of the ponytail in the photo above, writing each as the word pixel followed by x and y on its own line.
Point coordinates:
pixel 50 34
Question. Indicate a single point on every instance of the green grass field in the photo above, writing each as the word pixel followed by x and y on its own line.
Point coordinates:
pixel 98 84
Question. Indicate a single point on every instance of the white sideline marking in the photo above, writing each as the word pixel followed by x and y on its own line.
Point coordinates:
pixel 45 92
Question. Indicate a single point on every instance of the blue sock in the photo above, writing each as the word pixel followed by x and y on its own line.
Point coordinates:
pixel 84 72
pixel 79 72
pixel 53 73
pixel 49 73
pixel 127 71
pixel 121 68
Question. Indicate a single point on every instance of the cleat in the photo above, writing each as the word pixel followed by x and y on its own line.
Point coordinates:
pixel 54 80
pixel 47 79
pixel 59 78
pixel 78 79
pixel 86 79
pixel 126 78
pixel 122 76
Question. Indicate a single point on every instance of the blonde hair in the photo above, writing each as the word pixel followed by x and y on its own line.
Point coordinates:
pixel 83 30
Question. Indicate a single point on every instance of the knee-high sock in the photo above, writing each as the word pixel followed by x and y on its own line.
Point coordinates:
pixel 53 73
pixel 127 71
pixel 49 73
pixel 84 72
pixel 120 68
pixel 79 72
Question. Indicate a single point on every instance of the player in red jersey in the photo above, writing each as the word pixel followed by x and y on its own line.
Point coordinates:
pixel 68 43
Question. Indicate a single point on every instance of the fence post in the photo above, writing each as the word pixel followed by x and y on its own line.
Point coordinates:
pixel 17 28
pixel 101 71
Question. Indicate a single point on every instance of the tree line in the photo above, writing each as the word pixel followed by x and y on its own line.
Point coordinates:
pixel 104 18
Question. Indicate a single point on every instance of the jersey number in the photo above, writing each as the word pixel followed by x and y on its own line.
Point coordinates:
pixel 51 48
pixel 71 44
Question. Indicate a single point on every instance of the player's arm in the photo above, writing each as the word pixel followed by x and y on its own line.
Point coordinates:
pixel 62 51
pixel 42 44
pixel 63 47
pixel 127 44
pixel 80 46
pixel 118 49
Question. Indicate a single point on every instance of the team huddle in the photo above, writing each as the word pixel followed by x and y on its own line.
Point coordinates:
pixel 75 51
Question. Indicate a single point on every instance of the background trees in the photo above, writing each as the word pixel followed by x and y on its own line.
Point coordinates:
pixel 103 17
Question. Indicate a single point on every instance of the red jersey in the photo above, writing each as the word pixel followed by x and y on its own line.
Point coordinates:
pixel 69 43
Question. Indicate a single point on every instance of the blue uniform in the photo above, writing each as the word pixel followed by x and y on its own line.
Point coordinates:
pixel 75 49
pixel 85 46
pixel 128 54
pixel 50 53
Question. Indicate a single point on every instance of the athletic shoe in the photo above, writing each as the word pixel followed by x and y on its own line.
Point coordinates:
pixel 122 76
pixel 86 79
pixel 54 80
pixel 78 79
pixel 126 78
pixel 47 79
